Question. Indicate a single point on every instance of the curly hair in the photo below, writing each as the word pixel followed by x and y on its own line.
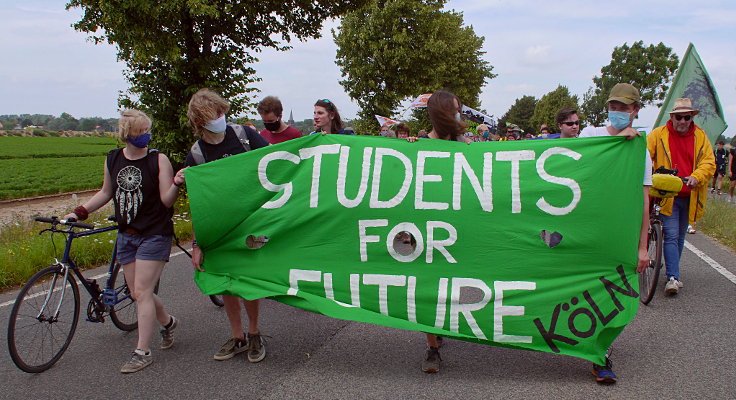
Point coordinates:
pixel 204 106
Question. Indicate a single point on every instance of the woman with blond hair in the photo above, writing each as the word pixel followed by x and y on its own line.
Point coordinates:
pixel 141 183
pixel 219 139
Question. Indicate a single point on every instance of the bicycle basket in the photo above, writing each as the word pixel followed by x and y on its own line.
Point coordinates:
pixel 665 185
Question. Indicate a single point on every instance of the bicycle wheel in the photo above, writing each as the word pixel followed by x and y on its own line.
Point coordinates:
pixel 124 314
pixel 38 334
pixel 217 300
pixel 648 278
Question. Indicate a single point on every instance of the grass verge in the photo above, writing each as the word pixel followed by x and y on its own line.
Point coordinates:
pixel 719 221
pixel 23 251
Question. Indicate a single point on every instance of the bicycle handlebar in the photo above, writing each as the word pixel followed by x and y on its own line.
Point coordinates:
pixel 68 222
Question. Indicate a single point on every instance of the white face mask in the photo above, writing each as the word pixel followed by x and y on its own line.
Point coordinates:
pixel 216 125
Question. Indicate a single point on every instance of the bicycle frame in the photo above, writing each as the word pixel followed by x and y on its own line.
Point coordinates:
pixel 109 294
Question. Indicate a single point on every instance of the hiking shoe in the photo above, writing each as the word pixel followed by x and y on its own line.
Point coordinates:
pixel 137 362
pixel 690 229
pixel 672 286
pixel 167 334
pixel 232 347
pixel 256 347
pixel 604 373
pixel 431 362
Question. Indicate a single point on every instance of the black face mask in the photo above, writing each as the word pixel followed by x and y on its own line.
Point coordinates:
pixel 272 126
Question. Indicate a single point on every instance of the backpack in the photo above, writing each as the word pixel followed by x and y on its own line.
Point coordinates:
pixel 240 132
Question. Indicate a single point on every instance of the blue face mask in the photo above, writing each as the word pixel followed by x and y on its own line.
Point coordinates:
pixel 486 134
pixel 619 119
pixel 216 125
pixel 140 141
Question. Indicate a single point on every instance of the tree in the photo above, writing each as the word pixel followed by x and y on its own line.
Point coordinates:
pixel 392 50
pixel 520 113
pixel 65 122
pixel 547 107
pixel 172 48
pixel 650 69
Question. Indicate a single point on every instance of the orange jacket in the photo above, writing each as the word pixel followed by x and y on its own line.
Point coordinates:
pixel 658 143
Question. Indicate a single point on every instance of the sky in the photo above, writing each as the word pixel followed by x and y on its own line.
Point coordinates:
pixel 534 46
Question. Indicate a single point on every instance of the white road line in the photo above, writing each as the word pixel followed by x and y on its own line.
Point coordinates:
pixel 43 293
pixel 713 263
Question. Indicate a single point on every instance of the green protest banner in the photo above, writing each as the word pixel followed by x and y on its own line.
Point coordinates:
pixel 529 244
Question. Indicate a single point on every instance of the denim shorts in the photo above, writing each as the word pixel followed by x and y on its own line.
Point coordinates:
pixel 142 247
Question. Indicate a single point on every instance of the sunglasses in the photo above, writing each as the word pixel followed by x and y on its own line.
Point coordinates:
pixel 681 117
pixel 571 123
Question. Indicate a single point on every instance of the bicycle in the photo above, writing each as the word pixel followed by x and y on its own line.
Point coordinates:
pixel 46 311
pixel 667 185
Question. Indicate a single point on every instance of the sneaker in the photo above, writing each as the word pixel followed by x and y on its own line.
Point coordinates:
pixel 167 334
pixel 137 362
pixel 232 347
pixel 672 286
pixel 604 373
pixel 691 229
pixel 431 363
pixel 256 347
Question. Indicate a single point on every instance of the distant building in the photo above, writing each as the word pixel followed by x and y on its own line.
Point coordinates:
pixel 291 118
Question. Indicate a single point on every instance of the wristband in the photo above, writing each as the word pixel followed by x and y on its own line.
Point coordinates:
pixel 81 212
pixel 194 243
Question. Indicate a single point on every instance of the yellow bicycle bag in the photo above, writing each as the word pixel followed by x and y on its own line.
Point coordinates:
pixel 665 185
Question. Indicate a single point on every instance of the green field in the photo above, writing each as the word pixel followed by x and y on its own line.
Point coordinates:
pixel 33 166
pixel 49 147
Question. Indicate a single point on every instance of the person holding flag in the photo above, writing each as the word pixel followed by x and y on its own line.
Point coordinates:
pixel 681 144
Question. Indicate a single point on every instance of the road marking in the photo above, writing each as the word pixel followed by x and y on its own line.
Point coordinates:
pixel 713 263
pixel 43 293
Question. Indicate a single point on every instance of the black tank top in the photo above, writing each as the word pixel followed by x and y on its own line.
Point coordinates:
pixel 138 205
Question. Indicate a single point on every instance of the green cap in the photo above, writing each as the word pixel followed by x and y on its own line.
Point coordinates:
pixel 625 93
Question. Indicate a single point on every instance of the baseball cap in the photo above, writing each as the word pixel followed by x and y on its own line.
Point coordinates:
pixel 625 93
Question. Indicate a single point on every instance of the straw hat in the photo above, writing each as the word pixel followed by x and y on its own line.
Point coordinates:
pixel 683 105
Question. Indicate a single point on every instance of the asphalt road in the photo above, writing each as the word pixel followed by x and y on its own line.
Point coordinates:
pixel 677 347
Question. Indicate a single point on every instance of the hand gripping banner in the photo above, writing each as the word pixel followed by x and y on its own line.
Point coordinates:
pixel 529 244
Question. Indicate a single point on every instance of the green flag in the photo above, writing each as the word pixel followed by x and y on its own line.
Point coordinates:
pixel 529 244
pixel 692 81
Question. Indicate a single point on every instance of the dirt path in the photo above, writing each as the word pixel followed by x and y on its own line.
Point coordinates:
pixel 58 204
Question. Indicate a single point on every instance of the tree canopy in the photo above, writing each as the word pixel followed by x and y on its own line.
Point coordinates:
pixel 548 106
pixel 392 50
pixel 649 68
pixel 520 113
pixel 172 48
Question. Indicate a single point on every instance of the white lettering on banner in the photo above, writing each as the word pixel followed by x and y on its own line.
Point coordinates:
pixel 419 202
pixel 342 177
pixel 432 243
pixel 515 157
pixel 317 152
pixel 500 310
pixel 466 309
pixel 456 308
pixel 365 239
pixel 482 186
pixel 383 282
pixel 405 185
pixel 268 185
pixel 542 203
pixel 484 192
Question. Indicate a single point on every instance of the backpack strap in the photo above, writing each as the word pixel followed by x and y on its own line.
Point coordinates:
pixel 241 134
pixel 153 163
pixel 197 154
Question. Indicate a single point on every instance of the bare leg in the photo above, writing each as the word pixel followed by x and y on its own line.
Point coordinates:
pixel 251 308
pixel 432 340
pixel 144 274
pixel 232 309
